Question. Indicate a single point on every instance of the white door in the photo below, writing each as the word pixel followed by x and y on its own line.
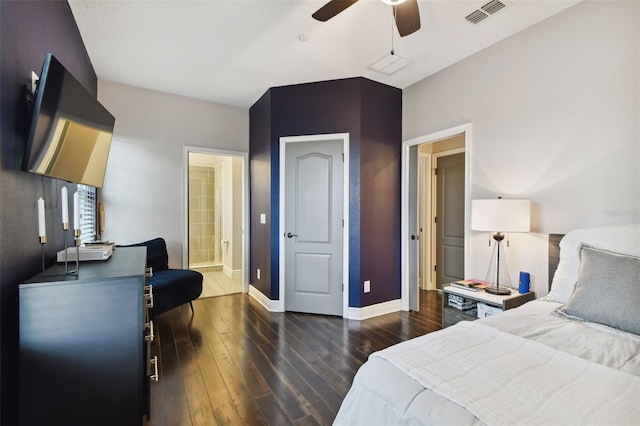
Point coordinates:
pixel 313 227
pixel 450 181
pixel 414 293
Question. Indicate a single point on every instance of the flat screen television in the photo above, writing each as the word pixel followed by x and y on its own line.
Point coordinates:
pixel 70 133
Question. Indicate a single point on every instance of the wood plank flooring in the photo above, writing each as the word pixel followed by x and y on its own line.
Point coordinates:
pixel 233 362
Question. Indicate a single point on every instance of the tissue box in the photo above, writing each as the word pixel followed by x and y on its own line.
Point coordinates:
pixel 485 310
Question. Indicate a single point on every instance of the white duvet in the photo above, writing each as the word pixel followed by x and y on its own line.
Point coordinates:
pixel 525 366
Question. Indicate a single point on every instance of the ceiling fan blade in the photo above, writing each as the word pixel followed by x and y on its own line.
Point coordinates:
pixel 331 9
pixel 407 17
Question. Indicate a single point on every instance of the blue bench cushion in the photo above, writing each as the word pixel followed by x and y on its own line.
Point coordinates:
pixel 173 287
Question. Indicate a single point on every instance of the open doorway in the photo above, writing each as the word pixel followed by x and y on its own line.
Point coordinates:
pixel 421 157
pixel 215 215
pixel 441 188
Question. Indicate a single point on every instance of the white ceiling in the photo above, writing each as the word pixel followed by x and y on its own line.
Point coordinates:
pixel 232 51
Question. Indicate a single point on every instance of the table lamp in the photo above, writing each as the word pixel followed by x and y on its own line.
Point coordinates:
pixel 499 216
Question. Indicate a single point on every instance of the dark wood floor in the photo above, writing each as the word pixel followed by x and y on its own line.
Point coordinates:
pixel 233 362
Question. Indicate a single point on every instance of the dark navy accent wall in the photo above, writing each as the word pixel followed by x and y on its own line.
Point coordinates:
pixel 380 193
pixel 260 193
pixel 309 109
pixel 337 106
pixel 354 288
pixel 28 29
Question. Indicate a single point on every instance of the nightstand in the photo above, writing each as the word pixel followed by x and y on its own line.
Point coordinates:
pixel 492 302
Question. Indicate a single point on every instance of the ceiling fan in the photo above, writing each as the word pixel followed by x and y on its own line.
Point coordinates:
pixel 405 12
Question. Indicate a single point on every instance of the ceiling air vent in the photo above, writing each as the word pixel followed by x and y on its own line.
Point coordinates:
pixel 485 11
pixel 493 6
pixel 476 16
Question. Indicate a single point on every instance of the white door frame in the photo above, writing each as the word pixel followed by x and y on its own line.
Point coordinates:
pixel 186 149
pixel 345 211
pixel 404 221
pixel 424 246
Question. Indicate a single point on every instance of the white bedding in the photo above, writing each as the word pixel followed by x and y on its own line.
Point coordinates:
pixel 525 366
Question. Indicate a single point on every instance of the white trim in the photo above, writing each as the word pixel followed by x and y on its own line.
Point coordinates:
pixel 186 149
pixel 232 273
pixel 345 210
pixel 374 310
pixel 425 248
pixel 269 305
pixel 236 274
pixel 404 222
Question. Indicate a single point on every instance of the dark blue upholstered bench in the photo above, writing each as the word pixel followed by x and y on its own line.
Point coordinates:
pixel 171 287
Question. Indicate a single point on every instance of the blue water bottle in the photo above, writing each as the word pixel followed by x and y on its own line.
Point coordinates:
pixel 523 286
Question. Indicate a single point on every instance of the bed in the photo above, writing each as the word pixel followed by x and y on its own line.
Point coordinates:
pixel 571 357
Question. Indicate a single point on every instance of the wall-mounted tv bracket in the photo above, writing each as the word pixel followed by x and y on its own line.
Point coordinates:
pixel 34 82
pixel 30 88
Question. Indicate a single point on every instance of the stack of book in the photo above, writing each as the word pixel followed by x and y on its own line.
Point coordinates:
pixel 473 285
pixel 460 302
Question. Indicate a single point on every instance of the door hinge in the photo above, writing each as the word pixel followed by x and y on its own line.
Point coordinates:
pixel 435 219
pixel 343 287
pixel 343 157
pixel 435 268
pixel 435 171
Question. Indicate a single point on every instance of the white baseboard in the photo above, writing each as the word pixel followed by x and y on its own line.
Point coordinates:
pixel 232 273
pixel 374 310
pixel 269 305
pixel 352 313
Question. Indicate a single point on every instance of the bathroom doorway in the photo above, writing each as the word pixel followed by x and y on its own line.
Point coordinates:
pixel 215 219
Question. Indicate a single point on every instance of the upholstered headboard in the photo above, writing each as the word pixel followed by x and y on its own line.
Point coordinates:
pixel 554 254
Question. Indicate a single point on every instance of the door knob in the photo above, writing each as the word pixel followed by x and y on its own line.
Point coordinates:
pixel 290 235
pixel 413 237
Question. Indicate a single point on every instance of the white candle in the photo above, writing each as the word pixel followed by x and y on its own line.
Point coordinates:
pixel 76 210
pixel 41 225
pixel 65 205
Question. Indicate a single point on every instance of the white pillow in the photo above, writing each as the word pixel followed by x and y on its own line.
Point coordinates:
pixel 620 239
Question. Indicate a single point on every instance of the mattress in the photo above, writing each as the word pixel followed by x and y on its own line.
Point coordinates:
pixel 559 370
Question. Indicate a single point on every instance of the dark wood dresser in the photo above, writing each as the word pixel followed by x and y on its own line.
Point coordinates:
pixel 85 344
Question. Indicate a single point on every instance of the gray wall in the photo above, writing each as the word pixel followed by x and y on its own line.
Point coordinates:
pixel 555 112
pixel 143 188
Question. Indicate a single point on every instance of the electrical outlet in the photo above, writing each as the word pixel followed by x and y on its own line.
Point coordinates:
pixel 263 218
pixel 367 286
pixel 258 273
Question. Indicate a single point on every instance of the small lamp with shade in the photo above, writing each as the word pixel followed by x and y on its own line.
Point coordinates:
pixel 500 216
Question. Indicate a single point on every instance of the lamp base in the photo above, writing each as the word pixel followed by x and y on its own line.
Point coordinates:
pixel 502 291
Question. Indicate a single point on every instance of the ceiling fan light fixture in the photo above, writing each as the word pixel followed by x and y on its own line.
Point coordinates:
pixel 393 2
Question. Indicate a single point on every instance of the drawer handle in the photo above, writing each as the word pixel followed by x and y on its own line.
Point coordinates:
pixel 154 361
pixel 149 296
pixel 149 326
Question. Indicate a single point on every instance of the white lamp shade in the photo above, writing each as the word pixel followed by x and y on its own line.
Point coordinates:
pixel 501 215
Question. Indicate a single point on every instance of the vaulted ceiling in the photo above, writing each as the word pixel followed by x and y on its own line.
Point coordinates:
pixel 232 51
